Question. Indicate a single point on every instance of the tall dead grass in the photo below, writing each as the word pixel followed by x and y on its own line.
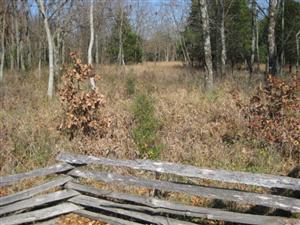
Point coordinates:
pixel 197 128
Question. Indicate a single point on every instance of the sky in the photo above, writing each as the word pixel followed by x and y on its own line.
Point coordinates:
pixel 154 3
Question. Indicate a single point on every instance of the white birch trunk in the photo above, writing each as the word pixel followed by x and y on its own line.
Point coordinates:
pixel 223 41
pixel 50 90
pixel 121 51
pixel 207 45
pixel 298 50
pixel 271 37
pixel 90 57
pixel 282 37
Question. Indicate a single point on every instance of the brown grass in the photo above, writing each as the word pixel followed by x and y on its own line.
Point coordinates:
pixel 198 128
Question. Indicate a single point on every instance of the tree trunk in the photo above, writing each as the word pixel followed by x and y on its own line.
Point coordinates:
pixel 45 52
pixel 17 35
pixel 223 40
pixel 90 57
pixel 207 45
pixel 97 50
pixel 183 52
pixel 12 48
pixel 28 42
pixel 56 59
pixel 29 60
pixel 40 60
pixel 11 59
pixel 50 91
pixel 298 50
pixel 22 60
pixel 56 50
pixel 253 38
pixel 121 51
pixel 257 46
pixel 183 47
pixel 2 45
pixel 158 52
pixel 62 60
pixel 167 53
pixel 271 37
pixel 282 38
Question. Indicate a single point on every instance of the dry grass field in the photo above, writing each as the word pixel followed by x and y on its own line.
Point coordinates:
pixel 199 128
pixel 196 127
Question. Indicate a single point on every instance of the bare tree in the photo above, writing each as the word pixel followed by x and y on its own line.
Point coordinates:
pixel 2 44
pixel 40 48
pixel 182 41
pixel 12 47
pixel 271 37
pixel 223 39
pixel 207 44
pixel 28 37
pixel 282 37
pixel 17 32
pixel 50 91
pixel 90 58
pixel 121 51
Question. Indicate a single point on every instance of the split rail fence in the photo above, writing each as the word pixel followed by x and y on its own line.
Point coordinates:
pixel 68 193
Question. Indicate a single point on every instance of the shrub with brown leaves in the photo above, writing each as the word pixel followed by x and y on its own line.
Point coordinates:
pixel 81 106
pixel 273 114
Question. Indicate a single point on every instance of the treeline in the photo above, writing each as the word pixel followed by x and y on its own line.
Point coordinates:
pixel 241 33
pixel 214 35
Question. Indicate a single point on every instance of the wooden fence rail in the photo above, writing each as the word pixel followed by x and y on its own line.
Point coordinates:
pixel 66 193
pixel 264 180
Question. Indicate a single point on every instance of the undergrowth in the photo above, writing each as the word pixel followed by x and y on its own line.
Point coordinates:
pixel 130 85
pixel 82 107
pixel 146 126
pixel 272 115
pixel 183 125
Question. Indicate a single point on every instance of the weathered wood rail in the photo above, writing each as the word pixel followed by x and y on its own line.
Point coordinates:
pixel 45 201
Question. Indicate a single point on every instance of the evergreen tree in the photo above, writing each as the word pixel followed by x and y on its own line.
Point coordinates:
pixel 194 36
pixel 237 29
pixel 238 35
pixel 292 26
pixel 132 48
pixel 263 39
